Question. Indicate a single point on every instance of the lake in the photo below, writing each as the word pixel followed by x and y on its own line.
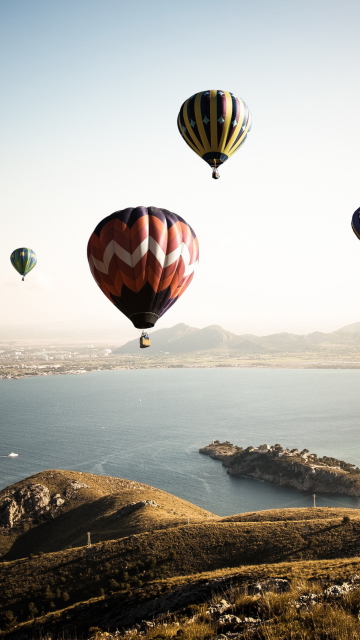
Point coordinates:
pixel 148 426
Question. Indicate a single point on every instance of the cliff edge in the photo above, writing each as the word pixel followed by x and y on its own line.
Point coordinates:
pixel 291 468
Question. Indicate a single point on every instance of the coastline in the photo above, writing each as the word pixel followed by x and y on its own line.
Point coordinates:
pixel 301 470
pixel 14 371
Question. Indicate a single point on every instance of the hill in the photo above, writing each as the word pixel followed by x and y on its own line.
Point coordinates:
pixel 183 339
pixel 54 510
pixel 253 600
pixel 351 328
pixel 146 559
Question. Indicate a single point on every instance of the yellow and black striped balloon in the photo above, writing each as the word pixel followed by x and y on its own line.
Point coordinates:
pixel 214 124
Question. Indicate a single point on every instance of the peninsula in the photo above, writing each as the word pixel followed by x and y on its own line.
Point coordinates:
pixel 289 468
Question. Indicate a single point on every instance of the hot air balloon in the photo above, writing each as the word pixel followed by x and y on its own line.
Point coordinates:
pixel 143 259
pixel 23 260
pixel 355 223
pixel 215 125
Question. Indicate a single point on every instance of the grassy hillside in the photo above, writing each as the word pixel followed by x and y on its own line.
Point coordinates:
pixel 299 514
pixel 93 508
pixel 152 560
pixel 181 603
pixel 53 581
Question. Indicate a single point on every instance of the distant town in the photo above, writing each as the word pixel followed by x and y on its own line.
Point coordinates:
pixel 182 346
pixel 17 361
pixel 22 361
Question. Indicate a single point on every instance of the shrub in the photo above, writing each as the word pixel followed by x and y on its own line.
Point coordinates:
pixel 32 610
pixel 114 584
pixel 48 593
pixel 10 619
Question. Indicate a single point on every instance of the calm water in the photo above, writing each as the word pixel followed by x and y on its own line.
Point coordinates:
pixel 148 425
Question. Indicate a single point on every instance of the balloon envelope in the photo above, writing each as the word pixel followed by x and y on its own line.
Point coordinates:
pixel 143 259
pixel 214 123
pixel 23 260
pixel 355 223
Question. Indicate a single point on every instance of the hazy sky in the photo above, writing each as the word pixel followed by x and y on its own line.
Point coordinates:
pixel 90 92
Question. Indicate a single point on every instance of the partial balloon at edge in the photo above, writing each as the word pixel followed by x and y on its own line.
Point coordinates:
pixel 23 260
pixel 143 259
pixel 214 124
pixel 355 222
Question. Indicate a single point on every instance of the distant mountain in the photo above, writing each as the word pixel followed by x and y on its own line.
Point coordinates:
pixel 350 328
pixel 182 339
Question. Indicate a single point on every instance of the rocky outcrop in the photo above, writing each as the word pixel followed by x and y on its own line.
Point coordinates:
pixel 34 502
pixel 219 450
pixel 277 585
pixel 134 506
pixel 28 504
pixel 333 592
pixel 289 470
pixel 73 488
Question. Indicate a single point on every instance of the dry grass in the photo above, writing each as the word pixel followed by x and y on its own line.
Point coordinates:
pixel 94 509
pixel 53 581
pixel 153 551
pixel 279 619
pixel 292 514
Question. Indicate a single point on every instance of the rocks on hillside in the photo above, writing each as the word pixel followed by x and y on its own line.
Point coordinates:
pixel 216 610
pixel 279 585
pixel 222 615
pixel 134 506
pixel 28 503
pixel 32 502
pixel 73 488
pixel 333 592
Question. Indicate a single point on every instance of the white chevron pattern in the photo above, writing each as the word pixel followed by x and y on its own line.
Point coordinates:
pixel 149 244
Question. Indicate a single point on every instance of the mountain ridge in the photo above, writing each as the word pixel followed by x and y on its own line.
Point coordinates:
pixel 182 339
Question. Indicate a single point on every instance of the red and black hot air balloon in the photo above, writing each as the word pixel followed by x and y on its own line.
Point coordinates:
pixel 143 259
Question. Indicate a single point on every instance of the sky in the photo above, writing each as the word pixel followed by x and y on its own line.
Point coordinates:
pixel 91 91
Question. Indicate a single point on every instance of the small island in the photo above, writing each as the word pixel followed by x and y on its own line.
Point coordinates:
pixel 288 467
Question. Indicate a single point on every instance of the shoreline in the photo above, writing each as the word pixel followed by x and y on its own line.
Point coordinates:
pixel 300 470
pixel 344 366
pixel 16 375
